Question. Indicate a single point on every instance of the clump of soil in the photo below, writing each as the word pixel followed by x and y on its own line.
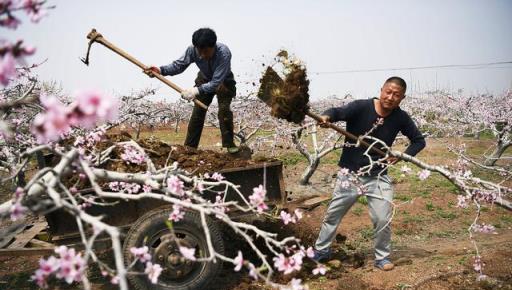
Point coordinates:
pixel 163 154
pixel 288 98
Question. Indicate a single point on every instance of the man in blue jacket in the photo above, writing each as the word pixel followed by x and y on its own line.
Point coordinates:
pixel 384 119
pixel 214 78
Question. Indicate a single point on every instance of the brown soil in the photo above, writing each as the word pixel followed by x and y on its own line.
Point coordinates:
pixel 288 98
pixel 164 154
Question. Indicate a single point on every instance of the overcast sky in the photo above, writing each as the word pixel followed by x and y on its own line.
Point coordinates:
pixel 328 35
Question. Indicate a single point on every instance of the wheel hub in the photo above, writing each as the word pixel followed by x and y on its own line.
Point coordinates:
pixel 168 255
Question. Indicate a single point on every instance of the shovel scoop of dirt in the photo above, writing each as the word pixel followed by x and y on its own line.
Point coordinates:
pixel 288 97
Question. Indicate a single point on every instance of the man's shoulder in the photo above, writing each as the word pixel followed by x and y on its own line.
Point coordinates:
pixel 223 49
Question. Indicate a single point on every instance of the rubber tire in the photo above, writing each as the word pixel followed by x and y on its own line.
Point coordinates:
pixel 154 222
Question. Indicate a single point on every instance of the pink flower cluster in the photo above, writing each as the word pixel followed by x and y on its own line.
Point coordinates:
pixel 152 270
pixel 33 8
pixel 188 253
pixel 142 253
pixel 90 108
pixel 10 55
pixel 133 155
pixel 90 139
pixel 289 264
pixel 69 266
pixel 175 185
pixel 462 201
pixel 424 174
pixel 483 228
pixel 124 187
pixel 17 210
pixel 287 217
pixel 257 199
pixel 177 213
pixel 215 176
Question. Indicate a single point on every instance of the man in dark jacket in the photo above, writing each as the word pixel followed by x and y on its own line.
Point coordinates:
pixel 384 119
pixel 214 78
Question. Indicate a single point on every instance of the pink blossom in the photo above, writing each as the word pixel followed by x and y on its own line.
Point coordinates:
pixel 188 253
pixel 310 252
pixel 115 280
pixel 345 184
pixel 7 68
pixel 177 213
pixel 483 228
pixel 141 253
pixel 288 264
pixel 46 268
pixel 124 187
pixel 295 284
pixel 478 264
pixel 239 261
pixel 344 171
pixel 424 174
pixel 286 217
pixel 10 22
pixel 92 107
pixel 257 199
pixel 175 185
pixel 34 9
pixel 71 264
pixel 153 271
pixel 132 155
pixel 146 188
pixel 252 271
pixel 217 176
pixel 405 169
pixel 298 214
pixel 462 201
pixel 17 211
pixel 50 125
pixel 320 269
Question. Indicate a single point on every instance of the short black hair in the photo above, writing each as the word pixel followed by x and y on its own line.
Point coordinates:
pixel 204 37
pixel 397 80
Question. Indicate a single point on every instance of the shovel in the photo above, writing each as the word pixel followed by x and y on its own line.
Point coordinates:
pixel 272 86
pixel 94 36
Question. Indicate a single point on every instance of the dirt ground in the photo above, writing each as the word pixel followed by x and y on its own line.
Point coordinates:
pixel 431 247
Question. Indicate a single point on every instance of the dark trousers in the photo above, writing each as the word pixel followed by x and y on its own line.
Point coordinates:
pixel 225 94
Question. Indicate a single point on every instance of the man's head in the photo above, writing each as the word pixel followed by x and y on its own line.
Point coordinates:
pixel 392 93
pixel 204 41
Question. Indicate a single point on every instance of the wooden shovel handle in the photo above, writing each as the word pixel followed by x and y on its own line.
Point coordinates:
pixel 97 37
pixel 349 135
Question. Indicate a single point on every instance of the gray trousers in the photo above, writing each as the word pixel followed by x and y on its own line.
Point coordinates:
pixel 379 193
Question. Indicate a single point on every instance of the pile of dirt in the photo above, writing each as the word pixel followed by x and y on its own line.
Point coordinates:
pixel 163 154
pixel 288 98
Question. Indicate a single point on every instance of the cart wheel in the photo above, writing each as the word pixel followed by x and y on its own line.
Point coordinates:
pixel 178 273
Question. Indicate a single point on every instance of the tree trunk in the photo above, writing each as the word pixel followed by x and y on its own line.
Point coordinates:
pixel 309 171
pixel 500 148
pixel 176 126
pixel 138 132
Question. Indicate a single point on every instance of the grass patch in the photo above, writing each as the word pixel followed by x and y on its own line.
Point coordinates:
pixel 292 158
pixel 358 210
pixel 445 214
pixel 363 200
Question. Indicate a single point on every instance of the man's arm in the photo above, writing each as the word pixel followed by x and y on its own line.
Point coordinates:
pixel 220 74
pixel 344 113
pixel 417 140
pixel 179 65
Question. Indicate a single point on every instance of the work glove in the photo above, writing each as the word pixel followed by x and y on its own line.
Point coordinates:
pixel 190 94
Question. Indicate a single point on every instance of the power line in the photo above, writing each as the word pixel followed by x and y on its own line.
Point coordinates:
pixel 463 66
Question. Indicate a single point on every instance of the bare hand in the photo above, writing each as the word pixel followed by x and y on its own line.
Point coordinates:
pixel 324 120
pixel 150 71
